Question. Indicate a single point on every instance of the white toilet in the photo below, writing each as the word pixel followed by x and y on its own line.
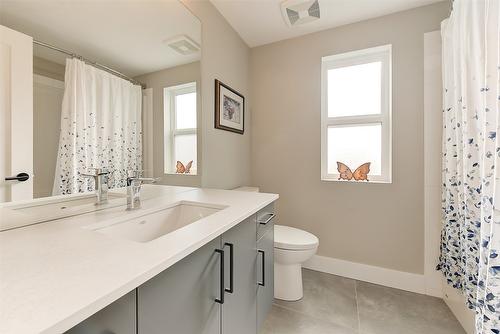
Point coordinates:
pixel 292 247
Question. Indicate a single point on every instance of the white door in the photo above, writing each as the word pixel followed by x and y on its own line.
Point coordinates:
pixel 16 114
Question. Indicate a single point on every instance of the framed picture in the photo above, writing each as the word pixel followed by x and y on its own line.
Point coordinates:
pixel 229 109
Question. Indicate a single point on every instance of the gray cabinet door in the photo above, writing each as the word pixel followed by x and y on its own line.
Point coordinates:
pixel 240 306
pixel 265 275
pixel 116 318
pixel 181 300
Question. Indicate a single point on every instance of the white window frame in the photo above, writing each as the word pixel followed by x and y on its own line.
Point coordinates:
pixel 384 55
pixel 170 125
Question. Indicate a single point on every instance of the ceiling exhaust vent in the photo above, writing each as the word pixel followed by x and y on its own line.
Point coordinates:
pixel 297 12
pixel 183 45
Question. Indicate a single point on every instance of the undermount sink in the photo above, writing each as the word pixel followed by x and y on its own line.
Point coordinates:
pixel 154 225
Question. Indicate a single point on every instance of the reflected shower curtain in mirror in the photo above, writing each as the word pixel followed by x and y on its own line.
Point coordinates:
pixel 470 239
pixel 100 128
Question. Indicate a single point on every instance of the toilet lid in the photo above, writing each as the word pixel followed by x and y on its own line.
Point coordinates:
pixel 286 237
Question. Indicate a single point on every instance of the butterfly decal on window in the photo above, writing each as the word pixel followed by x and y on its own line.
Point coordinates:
pixel 181 169
pixel 360 174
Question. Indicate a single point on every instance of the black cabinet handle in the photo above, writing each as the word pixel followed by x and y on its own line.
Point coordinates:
pixel 21 177
pixel 263 283
pixel 270 216
pixel 231 267
pixel 220 300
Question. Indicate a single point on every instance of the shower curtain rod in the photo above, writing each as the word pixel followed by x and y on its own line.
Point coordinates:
pixel 87 61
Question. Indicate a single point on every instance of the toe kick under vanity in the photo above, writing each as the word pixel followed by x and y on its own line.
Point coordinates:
pixel 210 276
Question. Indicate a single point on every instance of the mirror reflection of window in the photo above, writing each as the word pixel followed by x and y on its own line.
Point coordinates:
pixel 180 129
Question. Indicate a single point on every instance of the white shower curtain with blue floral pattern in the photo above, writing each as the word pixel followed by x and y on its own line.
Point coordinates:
pixel 100 128
pixel 470 239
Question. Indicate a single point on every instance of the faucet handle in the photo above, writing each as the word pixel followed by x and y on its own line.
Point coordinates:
pixel 95 172
pixel 150 179
pixel 137 175
pixel 101 178
pixel 102 171
pixel 134 183
pixel 134 173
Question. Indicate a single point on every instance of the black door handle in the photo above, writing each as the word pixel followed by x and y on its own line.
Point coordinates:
pixel 231 267
pixel 263 283
pixel 220 300
pixel 21 177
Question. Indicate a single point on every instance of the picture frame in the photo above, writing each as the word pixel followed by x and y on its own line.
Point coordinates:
pixel 229 109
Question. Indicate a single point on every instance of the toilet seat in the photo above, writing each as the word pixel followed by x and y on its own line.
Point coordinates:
pixel 290 238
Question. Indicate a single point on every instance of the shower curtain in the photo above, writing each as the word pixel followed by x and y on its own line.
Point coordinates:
pixel 100 128
pixel 470 239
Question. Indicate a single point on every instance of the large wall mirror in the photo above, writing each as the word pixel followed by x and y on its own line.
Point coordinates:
pixel 115 88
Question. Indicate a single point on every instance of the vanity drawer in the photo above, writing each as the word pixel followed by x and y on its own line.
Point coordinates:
pixel 265 220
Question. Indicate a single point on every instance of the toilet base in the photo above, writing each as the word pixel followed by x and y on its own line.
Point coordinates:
pixel 288 281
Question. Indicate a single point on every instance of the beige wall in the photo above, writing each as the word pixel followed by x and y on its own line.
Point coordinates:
pixel 226 155
pixel 48 68
pixel 48 92
pixel 47 101
pixel 158 81
pixel 376 224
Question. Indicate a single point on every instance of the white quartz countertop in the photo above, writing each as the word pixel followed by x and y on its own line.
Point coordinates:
pixel 54 275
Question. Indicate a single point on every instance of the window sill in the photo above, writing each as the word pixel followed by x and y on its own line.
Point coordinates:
pixel 179 174
pixel 356 182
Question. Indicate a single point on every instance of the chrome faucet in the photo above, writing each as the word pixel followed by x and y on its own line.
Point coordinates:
pixel 134 183
pixel 100 177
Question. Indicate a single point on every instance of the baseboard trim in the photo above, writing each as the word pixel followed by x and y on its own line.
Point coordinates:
pixel 363 272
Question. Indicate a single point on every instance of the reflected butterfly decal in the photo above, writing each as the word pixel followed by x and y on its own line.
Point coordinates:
pixel 360 174
pixel 181 169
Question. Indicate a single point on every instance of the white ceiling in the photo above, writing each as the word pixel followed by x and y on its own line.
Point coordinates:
pixel 126 35
pixel 260 22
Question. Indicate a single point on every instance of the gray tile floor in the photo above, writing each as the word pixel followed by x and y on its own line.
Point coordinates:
pixel 338 305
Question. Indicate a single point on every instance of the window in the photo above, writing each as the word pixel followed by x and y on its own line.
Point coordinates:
pixel 180 113
pixel 356 114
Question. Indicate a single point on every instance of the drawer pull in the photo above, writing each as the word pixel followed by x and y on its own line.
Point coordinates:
pixel 269 216
pixel 220 300
pixel 231 267
pixel 263 283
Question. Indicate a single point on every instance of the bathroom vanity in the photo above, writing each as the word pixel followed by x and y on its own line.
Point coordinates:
pixel 189 261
